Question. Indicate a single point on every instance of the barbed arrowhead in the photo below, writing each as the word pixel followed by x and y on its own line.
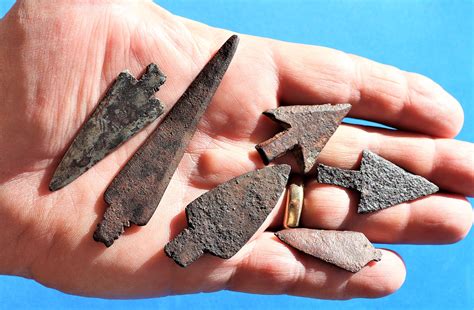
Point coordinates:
pixel 381 183
pixel 307 130
pixel 222 220
pixel 346 249
pixel 136 191
pixel 128 107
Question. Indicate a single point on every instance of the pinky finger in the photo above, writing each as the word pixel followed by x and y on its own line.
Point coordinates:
pixel 271 267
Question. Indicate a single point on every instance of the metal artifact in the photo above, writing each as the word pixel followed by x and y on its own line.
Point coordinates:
pixel 136 191
pixel 294 203
pixel 307 130
pixel 346 249
pixel 222 220
pixel 381 183
pixel 128 107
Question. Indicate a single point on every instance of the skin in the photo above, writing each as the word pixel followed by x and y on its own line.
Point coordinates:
pixel 57 59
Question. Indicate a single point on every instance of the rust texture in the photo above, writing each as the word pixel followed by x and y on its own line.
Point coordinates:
pixel 222 220
pixel 346 249
pixel 381 183
pixel 136 191
pixel 307 130
pixel 128 107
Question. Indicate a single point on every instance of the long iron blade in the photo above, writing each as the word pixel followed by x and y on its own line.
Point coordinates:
pixel 137 190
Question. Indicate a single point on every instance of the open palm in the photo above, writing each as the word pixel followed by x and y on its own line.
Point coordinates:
pixel 57 59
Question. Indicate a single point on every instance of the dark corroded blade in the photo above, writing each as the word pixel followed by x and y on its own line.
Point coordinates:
pixel 382 184
pixel 346 249
pixel 128 106
pixel 225 218
pixel 136 191
pixel 308 129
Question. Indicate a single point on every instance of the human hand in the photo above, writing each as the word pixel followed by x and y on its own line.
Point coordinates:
pixel 58 59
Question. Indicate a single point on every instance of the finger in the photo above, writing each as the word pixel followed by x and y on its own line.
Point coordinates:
pixel 267 266
pixel 445 162
pixel 435 219
pixel 378 92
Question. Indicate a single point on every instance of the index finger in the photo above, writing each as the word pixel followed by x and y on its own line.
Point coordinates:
pixel 377 92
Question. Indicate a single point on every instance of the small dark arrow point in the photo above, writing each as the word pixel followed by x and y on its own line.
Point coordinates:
pixel 346 249
pixel 307 130
pixel 381 183
pixel 136 191
pixel 225 218
pixel 128 107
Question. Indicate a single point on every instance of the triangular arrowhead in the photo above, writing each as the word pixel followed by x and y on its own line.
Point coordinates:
pixel 308 129
pixel 383 184
pixel 346 249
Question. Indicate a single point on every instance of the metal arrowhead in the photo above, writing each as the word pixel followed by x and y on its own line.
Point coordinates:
pixel 381 183
pixel 222 220
pixel 307 130
pixel 128 107
pixel 346 249
pixel 136 191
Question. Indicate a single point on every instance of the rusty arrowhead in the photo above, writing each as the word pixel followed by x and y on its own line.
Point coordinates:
pixel 346 249
pixel 222 220
pixel 128 107
pixel 136 191
pixel 307 130
pixel 381 183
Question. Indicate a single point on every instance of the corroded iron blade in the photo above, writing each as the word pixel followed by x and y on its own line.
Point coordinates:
pixel 225 218
pixel 307 130
pixel 381 183
pixel 136 191
pixel 346 249
pixel 128 106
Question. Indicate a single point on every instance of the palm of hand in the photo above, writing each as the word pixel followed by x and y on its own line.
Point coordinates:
pixel 71 53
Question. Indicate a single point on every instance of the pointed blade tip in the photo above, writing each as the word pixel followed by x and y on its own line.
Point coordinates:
pixel 233 39
pixel 56 184
pixel 231 45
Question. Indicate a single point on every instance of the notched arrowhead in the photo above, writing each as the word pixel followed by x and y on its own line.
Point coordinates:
pixel 346 249
pixel 128 107
pixel 222 220
pixel 381 183
pixel 307 130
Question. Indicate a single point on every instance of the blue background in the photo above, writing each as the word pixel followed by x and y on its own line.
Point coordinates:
pixel 434 38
